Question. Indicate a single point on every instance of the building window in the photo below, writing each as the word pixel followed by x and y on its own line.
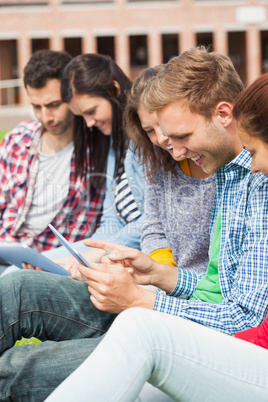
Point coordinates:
pixel 40 44
pixel 264 51
pixel 9 89
pixel 73 46
pixel 105 45
pixel 205 39
pixel 138 50
pixel 237 53
pixel 138 54
pixel 170 46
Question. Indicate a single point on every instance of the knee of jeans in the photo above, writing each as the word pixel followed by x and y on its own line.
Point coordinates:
pixel 19 278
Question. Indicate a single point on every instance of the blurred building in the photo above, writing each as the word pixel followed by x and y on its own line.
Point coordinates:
pixel 136 33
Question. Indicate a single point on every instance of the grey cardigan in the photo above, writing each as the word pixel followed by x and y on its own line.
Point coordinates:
pixel 177 214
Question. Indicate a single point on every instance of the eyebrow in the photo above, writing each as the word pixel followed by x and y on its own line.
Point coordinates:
pixel 177 135
pixel 48 104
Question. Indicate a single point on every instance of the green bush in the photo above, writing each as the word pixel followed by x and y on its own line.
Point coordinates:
pixel 2 133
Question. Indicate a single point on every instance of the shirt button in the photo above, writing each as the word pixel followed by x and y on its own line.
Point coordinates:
pixel 130 179
pixel 112 188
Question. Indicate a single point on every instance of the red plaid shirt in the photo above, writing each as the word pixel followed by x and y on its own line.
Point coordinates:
pixel 19 163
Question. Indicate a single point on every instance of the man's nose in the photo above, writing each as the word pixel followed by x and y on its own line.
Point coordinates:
pixel 178 151
pixel 47 116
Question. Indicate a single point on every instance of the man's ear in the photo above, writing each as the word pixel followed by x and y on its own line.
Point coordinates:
pixel 224 111
pixel 118 88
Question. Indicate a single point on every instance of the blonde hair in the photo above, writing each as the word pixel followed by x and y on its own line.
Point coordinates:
pixel 199 78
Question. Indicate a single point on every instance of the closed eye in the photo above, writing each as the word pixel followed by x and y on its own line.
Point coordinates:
pixel 90 112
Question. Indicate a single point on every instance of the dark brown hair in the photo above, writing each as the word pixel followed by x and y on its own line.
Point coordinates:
pixel 45 65
pixel 95 75
pixel 152 156
pixel 251 108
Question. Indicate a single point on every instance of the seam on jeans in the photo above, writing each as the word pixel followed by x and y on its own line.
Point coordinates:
pixel 55 314
pixel 65 317
pixel 211 368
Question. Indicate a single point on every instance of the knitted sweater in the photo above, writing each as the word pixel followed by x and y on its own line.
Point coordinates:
pixel 177 214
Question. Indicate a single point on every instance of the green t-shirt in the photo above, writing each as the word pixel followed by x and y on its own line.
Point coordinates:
pixel 208 288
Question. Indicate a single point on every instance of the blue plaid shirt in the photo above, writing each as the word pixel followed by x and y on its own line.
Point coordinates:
pixel 243 260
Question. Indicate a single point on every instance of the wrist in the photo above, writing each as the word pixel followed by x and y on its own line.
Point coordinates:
pixel 144 299
pixel 165 277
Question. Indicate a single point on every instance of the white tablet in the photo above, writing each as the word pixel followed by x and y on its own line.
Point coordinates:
pixel 16 254
pixel 69 247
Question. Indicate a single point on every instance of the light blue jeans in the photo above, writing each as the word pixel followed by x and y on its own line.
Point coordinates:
pixel 189 362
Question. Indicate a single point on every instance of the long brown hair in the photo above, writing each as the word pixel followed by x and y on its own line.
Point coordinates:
pixel 251 108
pixel 152 156
pixel 95 75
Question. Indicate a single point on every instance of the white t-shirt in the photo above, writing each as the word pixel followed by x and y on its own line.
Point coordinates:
pixel 51 188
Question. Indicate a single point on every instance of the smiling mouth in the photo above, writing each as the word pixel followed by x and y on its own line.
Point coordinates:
pixel 169 147
pixel 195 158
pixel 100 126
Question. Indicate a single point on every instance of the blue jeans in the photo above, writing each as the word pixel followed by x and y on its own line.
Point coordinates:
pixel 58 311
pixel 189 362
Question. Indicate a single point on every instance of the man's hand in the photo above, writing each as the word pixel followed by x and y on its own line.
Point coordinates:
pixel 144 270
pixel 113 289
pixel 138 264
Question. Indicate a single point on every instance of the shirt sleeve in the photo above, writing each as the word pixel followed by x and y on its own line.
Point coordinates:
pixel 112 228
pixel 245 300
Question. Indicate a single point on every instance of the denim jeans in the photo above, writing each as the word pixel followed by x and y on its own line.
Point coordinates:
pixel 58 311
pixel 189 362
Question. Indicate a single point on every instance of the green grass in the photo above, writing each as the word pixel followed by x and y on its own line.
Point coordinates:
pixel 31 341
pixel 2 133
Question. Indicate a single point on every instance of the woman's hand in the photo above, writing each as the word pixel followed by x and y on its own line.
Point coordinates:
pixel 71 265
